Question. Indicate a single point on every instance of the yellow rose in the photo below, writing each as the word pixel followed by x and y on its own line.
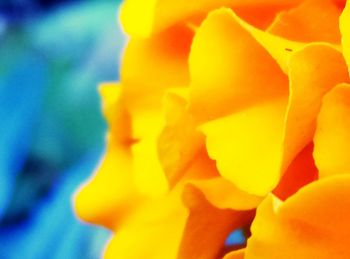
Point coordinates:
pixel 225 106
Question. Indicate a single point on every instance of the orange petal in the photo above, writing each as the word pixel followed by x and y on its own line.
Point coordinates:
pixel 221 68
pixel 313 223
pixel 146 124
pixel 344 23
pixel 167 224
pixel 239 254
pixel 207 227
pixel 259 124
pixel 222 84
pixel 222 194
pixel 247 146
pixel 300 172
pixel 142 18
pixel 332 136
pixel 167 229
pixel 142 122
pixel 313 20
pixel 149 67
pixel 154 231
pixel 340 3
pixel 144 110
pixel 202 174
pixel 200 168
pixel 259 16
pixel 314 70
pixel 214 202
pixel 159 61
pixel 179 141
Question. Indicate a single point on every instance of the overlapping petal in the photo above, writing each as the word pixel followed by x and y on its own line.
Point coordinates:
pixel 242 94
pixel 333 133
pixel 239 254
pixel 179 141
pixel 313 223
pixel 149 67
pixel 148 234
pixel 153 61
pixel 313 20
pixel 207 226
pixel 180 239
pixel 214 113
pixel 344 24
pixel 300 172
pixel 142 18
pixel 314 71
pixel 223 194
pixel 122 205
pixel 181 145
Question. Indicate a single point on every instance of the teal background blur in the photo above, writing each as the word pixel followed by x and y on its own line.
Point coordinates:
pixel 53 55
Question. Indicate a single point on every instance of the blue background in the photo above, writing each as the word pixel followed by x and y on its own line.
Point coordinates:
pixel 53 55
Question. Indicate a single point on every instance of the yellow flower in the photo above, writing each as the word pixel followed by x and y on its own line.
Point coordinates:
pixel 222 107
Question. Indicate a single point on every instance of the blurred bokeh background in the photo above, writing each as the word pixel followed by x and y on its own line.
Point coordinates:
pixel 53 55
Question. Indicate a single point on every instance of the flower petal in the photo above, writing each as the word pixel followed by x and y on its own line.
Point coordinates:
pixel 153 231
pixel 333 133
pixel 313 223
pixel 221 68
pixel 159 61
pixel 202 175
pixel 314 71
pixel 313 20
pixel 207 226
pixel 150 67
pixel 300 172
pixel 111 189
pixel 115 113
pixel 148 174
pixel 344 24
pixel 283 130
pixel 179 141
pixel 142 18
pixel 222 194
pixel 239 254
pixel 255 134
pixel 167 223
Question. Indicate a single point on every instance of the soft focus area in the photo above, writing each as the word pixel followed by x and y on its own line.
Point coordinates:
pixel 53 55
